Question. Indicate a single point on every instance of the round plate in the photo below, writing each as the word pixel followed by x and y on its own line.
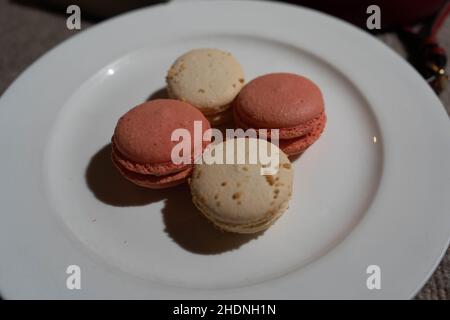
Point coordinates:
pixel 372 191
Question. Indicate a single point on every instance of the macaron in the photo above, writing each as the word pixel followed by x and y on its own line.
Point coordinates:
pixel 285 101
pixel 142 146
pixel 209 79
pixel 238 197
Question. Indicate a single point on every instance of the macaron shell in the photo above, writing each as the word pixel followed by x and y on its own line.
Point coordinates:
pixel 238 195
pixel 297 146
pixel 152 181
pixel 143 134
pixel 207 78
pixel 279 100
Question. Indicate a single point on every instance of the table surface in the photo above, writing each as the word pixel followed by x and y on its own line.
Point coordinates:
pixel 28 31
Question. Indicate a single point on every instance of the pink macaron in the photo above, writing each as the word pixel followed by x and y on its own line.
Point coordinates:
pixel 285 101
pixel 142 146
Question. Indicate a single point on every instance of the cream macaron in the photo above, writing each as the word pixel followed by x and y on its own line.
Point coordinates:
pixel 238 197
pixel 209 79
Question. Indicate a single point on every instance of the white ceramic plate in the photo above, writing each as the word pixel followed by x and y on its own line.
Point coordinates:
pixel 374 190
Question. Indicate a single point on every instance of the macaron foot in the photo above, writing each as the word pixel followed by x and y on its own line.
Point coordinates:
pixel 151 181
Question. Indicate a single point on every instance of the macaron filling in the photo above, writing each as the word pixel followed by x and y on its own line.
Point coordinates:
pixel 153 181
pixel 284 133
pixel 157 169
pixel 299 145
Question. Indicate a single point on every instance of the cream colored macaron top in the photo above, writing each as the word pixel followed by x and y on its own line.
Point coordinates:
pixel 207 78
pixel 237 197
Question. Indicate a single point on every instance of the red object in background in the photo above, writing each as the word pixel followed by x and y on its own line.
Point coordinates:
pixel 425 53
pixel 394 13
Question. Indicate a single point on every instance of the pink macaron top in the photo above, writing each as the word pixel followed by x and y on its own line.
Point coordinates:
pixel 143 134
pixel 279 100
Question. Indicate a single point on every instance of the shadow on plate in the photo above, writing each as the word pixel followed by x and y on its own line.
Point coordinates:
pixel 111 188
pixel 187 227
pixel 183 223
pixel 158 94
